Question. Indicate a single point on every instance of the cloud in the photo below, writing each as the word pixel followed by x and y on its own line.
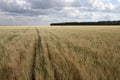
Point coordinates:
pixel 31 12
pixel 14 6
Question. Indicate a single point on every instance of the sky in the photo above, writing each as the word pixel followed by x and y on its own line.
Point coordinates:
pixel 44 12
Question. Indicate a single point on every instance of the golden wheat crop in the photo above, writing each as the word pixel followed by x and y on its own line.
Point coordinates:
pixel 60 53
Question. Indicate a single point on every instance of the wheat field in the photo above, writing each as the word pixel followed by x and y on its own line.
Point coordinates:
pixel 60 53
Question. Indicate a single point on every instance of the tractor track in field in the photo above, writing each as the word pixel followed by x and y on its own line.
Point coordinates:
pixel 45 59
pixel 36 51
pixel 38 56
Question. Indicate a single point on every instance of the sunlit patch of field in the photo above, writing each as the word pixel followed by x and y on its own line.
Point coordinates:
pixel 60 53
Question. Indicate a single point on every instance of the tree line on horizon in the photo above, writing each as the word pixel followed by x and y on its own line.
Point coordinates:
pixel 88 23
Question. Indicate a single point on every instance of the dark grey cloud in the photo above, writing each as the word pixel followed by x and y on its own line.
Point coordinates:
pixel 45 4
pixel 4 6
